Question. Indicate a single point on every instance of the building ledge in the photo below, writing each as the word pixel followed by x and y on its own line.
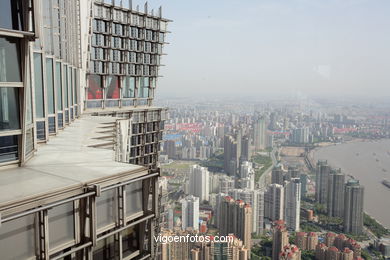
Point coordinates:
pixel 64 167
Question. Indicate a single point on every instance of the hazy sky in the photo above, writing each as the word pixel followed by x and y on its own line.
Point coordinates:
pixel 254 48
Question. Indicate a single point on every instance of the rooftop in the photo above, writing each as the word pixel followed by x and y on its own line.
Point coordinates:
pixel 67 162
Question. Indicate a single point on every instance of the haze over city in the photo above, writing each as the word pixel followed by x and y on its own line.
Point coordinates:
pixel 270 47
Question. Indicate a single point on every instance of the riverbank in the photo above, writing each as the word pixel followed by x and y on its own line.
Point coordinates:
pixel 369 162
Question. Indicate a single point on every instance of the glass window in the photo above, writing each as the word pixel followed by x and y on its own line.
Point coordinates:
pixel 130 240
pixel 38 80
pixel 71 85
pixel 66 86
pixel 8 149
pixel 61 225
pixel 9 59
pixel 133 198
pixel 95 90
pixel 106 249
pixel 29 141
pixel 75 87
pixel 50 85
pixel 59 86
pixel 27 90
pixel 144 88
pixel 11 14
pixel 17 238
pixel 106 209
pixel 9 109
pixel 112 87
pixel 128 88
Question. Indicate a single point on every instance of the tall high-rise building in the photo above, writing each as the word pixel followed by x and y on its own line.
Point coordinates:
pixel 190 213
pixel 279 238
pixel 170 149
pixel 79 191
pixel 245 148
pixel 235 216
pixel 231 155
pixel 199 182
pixel 292 203
pixel 234 250
pixel 277 175
pixel 259 133
pixel 293 172
pixel 246 169
pixel 322 177
pixel 335 205
pixel 353 207
pixel 255 198
pixel 300 136
pixel 274 202
pixel 214 183
pixel 321 250
pixel 226 183
pixel 301 240
pixel 312 241
pixel 303 177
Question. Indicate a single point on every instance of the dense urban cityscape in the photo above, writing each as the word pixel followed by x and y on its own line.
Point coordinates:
pixel 96 164
pixel 252 172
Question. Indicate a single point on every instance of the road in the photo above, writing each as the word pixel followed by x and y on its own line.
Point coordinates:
pixel 263 178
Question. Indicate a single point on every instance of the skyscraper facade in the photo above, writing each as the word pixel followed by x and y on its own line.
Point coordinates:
pixel 274 202
pixel 335 203
pixel 279 238
pixel 353 207
pixel 255 198
pixel 79 191
pixel 292 203
pixel 277 175
pixel 259 134
pixel 235 216
pixel 190 213
pixel 231 155
pixel 199 182
pixel 322 177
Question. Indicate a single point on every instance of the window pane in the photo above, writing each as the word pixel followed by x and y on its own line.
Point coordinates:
pixel 11 14
pixel 95 90
pixel 61 225
pixel 38 80
pixel 128 88
pixel 71 85
pixel 66 90
pixel 17 238
pixel 9 109
pixel 8 148
pixel 75 86
pixel 59 86
pixel 130 240
pixel 50 85
pixel 106 249
pixel 112 87
pixel 27 89
pixel 9 59
pixel 133 198
pixel 105 207
pixel 144 88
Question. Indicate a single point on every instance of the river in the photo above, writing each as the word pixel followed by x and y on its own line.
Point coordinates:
pixel 369 162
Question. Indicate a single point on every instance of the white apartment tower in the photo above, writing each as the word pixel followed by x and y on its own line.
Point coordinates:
pixel 190 213
pixel 199 182
pixel 292 203
pixel 274 202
